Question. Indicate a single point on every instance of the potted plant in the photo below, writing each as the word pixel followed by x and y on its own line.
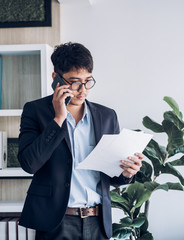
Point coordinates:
pixel 135 197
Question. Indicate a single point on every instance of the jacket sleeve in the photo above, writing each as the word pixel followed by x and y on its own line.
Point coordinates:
pixel 121 180
pixel 35 145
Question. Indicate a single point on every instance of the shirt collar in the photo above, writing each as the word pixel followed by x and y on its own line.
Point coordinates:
pixel 85 114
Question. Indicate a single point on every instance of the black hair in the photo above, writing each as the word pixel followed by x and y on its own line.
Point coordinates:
pixel 69 56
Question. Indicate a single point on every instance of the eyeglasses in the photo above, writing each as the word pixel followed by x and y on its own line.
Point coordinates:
pixel 77 84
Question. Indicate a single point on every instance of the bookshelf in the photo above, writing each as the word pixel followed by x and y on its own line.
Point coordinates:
pixel 29 44
pixel 25 75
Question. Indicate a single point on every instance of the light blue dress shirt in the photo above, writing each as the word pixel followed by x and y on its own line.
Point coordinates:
pixel 84 190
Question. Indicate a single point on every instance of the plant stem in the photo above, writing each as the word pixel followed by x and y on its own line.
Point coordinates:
pixel 154 179
pixel 166 157
pixel 134 233
pixel 146 208
pixel 133 229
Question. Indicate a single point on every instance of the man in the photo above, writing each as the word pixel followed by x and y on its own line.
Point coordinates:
pixel 64 202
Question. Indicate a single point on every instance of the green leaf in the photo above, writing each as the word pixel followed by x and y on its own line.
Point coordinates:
pixel 152 125
pixel 137 195
pixel 115 197
pixel 145 173
pixel 156 154
pixel 146 236
pixel 162 187
pixel 179 162
pixel 173 104
pixel 121 206
pixel 144 227
pixel 175 186
pixel 172 117
pixel 120 232
pixel 126 222
pixel 169 169
pixel 175 136
pixel 138 222
pixel 177 150
pixel 158 151
pixel 152 186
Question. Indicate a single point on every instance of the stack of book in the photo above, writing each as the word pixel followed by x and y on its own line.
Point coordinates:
pixel 3 150
pixel 9 229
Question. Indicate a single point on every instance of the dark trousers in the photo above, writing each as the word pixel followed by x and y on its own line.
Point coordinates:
pixel 75 228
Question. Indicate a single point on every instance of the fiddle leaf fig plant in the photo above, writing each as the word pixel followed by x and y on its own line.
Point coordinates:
pixel 132 199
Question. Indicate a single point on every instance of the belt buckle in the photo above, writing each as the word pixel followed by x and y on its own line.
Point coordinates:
pixel 81 212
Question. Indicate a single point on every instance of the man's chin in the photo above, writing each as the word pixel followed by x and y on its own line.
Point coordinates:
pixel 77 102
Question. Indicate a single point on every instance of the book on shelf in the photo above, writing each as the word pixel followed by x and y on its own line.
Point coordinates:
pixel 31 234
pixel 13 228
pixel 25 233
pixel 4 228
pixel 3 149
pixel 22 233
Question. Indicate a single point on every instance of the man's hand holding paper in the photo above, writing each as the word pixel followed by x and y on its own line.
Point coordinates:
pixel 133 166
pixel 110 154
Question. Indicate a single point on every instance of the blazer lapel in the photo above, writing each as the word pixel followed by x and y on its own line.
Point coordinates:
pixel 97 121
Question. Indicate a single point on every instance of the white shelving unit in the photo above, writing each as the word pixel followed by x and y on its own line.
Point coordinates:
pixel 11 207
pixel 13 173
pixel 25 75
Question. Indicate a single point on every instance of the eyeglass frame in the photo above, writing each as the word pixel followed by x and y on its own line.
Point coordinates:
pixel 80 83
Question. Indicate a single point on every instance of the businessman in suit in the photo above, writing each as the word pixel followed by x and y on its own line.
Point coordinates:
pixel 64 202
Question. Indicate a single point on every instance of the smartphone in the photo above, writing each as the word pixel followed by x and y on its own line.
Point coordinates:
pixel 61 82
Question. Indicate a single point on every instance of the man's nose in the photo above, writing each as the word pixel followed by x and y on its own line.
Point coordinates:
pixel 82 88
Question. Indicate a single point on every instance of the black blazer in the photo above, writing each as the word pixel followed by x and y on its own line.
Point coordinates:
pixel 45 151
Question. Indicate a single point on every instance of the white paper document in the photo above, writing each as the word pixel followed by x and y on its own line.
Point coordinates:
pixel 106 156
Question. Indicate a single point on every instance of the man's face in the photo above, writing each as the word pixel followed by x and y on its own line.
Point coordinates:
pixel 82 76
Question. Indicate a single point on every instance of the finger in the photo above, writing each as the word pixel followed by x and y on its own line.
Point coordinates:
pixel 135 160
pixel 130 165
pixel 59 88
pixel 60 92
pixel 129 171
pixel 139 155
pixel 61 100
pixel 65 95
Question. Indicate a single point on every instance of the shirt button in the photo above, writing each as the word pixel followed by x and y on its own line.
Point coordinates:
pixel 67 184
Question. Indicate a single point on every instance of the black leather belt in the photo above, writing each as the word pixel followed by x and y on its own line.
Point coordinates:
pixel 83 212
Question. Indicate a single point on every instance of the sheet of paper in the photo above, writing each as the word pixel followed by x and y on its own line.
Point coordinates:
pixel 106 156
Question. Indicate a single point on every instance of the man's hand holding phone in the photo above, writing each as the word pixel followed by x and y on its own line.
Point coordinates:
pixel 60 94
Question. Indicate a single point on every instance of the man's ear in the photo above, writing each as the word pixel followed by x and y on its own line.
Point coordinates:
pixel 54 75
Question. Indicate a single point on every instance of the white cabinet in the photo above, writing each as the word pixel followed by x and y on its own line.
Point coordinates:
pixel 25 75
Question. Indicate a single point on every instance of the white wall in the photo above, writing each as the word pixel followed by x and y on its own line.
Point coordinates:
pixel 138 49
